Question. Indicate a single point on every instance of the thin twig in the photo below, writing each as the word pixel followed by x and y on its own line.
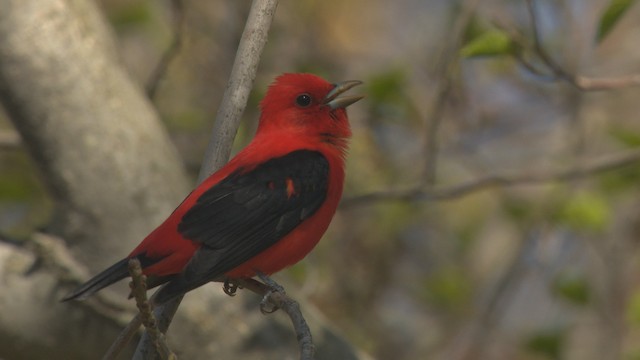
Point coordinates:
pixel 446 68
pixel 160 71
pixel 226 124
pixel 280 300
pixel 558 72
pixel 235 97
pixel 139 291
pixel 605 164
pixel 53 254
pixel 472 343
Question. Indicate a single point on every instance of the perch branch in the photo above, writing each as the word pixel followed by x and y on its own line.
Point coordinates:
pixel 139 291
pixel 227 121
pixel 275 295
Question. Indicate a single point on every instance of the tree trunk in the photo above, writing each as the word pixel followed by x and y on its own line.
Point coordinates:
pixel 104 155
pixel 114 175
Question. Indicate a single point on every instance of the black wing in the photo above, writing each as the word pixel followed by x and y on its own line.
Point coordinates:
pixel 246 213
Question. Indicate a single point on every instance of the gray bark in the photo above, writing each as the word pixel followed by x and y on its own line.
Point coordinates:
pixel 114 175
pixel 102 153
pixel 105 156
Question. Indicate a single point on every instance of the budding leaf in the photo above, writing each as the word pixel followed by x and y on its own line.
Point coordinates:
pixel 493 42
pixel 612 14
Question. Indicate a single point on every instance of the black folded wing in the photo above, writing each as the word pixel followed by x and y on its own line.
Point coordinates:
pixel 246 213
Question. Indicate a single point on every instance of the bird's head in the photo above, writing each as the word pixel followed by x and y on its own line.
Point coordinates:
pixel 308 104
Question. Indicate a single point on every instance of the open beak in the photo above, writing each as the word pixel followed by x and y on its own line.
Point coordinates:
pixel 334 102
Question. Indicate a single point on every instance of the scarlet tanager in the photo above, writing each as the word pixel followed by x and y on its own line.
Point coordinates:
pixel 263 211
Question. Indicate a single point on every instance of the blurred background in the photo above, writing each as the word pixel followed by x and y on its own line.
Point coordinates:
pixel 533 265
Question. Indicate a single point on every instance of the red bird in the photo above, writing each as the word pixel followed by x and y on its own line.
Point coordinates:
pixel 263 211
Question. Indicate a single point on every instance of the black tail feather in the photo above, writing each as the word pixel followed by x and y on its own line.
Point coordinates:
pixel 115 272
pixel 174 288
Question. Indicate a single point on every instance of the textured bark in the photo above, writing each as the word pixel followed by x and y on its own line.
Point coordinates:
pixel 99 145
pixel 114 175
pixel 103 155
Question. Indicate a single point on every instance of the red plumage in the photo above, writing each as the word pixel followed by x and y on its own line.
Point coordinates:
pixel 263 211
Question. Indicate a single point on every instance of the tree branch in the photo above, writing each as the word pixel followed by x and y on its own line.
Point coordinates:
pixel 139 292
pixel 419 193
pixel 227 121
pixel 160 71
pixel 446 68
pixel 243 73
pixel 280 300
pixel 558 72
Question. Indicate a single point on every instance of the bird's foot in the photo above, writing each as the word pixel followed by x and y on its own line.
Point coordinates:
pixel 229 288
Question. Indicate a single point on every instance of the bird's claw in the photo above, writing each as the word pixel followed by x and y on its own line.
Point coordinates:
pixel 266 304
pixel 229 288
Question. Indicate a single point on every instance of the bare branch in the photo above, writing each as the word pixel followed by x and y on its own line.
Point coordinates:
pixel 446 68
pixel 235 97
pixel 139 291
pixel 160 71
pixel 280 300
pixel 608 163
pixel 471 344
pixel 228 117
pixel 580 82
pixel 53 254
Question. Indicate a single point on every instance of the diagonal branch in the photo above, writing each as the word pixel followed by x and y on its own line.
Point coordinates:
pixel 558 72
pixel 159 72
pixel 227 121
pixel 605 164
pixel 139 292
pixel 280 300
pixel 447 68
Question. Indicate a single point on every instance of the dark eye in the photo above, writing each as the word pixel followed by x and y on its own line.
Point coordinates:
pixel 303 100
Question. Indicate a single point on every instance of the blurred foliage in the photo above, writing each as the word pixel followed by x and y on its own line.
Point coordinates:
pixel 626 137
pixel 547 343
pixel 574 289
pixel 585 211
pixel 130 14
pixel 610 17
pixel 490 42
pixel 407 279
pixel 633 309
pixel 387 88
pixel 449 289
pixel 24 203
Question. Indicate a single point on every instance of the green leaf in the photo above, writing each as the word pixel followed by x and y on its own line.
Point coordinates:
pixel 474 29
pixel 548 343
pixel 387 87
pixel 493 42
pixel 633 309
pixel 585 211
pixel 448 288
pixel 612 14
pixel 626 137
pixel 135 13
pixel 620 181
pixel 573 289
